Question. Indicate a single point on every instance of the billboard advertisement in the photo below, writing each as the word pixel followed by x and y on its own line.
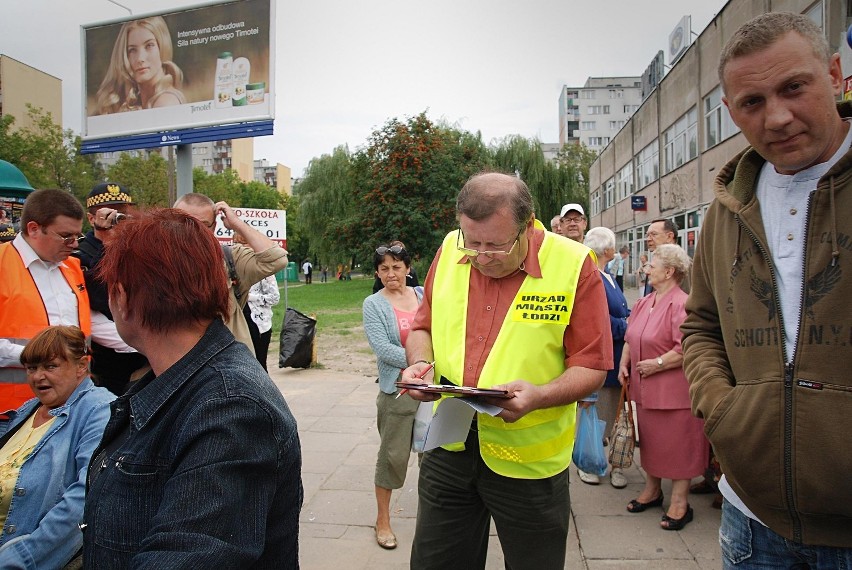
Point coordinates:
pixel 202 66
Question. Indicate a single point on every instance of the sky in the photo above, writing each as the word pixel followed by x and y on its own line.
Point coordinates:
pixel 343 68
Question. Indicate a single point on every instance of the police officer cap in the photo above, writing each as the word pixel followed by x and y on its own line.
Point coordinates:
pixel 7 232
pixel 107 193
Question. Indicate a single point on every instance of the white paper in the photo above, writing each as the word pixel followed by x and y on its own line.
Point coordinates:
pixel 449 424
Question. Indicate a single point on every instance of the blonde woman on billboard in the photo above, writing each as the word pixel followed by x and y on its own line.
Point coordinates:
pixel 141 74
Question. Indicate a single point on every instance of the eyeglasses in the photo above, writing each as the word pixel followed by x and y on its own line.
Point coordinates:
pixel 68 240
pixel 394 249
pixel 476 253
pixel 572 220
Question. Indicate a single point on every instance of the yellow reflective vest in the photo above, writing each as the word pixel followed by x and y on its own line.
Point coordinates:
pixel 528 347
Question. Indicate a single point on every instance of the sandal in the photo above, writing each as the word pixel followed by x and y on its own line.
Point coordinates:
pixel 635 506
pixel 668 523
pixel 388 542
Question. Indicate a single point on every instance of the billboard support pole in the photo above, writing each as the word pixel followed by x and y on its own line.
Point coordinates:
pixel 184 169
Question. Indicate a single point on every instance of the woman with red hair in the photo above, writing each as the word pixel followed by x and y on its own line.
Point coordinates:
pixel 200 462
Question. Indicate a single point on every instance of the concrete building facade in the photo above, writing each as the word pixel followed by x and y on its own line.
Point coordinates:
pixel 595 113
pixel 21 84
pixel 670 150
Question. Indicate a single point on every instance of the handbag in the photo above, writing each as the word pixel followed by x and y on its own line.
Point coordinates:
pixel 622 438
pixel 588 454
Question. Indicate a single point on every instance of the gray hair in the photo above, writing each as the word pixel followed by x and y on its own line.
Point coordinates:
pixel 486 192
pixel 672 255
pixel 599 239
pixel 764 30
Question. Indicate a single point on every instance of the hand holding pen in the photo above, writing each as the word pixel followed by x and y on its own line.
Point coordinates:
pixel 419 377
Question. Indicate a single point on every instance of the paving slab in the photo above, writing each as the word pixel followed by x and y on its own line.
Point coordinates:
pixel 336 418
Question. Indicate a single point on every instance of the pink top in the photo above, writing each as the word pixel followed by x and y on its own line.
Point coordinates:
pixel 651 332
pixel 403 323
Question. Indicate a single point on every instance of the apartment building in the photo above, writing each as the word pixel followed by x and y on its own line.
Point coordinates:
pixel 595 113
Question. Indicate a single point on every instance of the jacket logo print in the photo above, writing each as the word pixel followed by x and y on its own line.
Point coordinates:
pixel 763 291
pixel 819 286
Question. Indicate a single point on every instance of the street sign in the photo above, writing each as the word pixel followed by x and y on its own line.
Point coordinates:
pixel 271 223
pixel 638 203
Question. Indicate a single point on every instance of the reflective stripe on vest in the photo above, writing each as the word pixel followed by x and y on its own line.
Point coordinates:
pixel 529 346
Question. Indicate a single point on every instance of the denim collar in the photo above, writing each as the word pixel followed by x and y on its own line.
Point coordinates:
pixel 151 392
pixel 27 407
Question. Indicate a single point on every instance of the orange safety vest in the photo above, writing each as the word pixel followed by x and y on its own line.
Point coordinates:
pixel 23 315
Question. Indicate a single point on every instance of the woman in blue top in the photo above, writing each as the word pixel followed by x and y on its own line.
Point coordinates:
pixel 388 315
pixel 45 448
pixel 602 241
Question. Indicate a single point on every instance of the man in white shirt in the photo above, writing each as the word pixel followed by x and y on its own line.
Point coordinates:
pixel 40 285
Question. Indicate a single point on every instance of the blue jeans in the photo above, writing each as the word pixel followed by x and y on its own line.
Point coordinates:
pixel 748 544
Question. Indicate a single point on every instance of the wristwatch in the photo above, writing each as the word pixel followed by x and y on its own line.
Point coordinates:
pixel 660 361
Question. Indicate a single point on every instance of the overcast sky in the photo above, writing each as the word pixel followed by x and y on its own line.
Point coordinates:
pixel 344 67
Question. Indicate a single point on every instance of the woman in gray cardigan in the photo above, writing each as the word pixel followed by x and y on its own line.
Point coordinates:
pixel 388 315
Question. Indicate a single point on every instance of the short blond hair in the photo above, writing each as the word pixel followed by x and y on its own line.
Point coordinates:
pixel 672 255
pixel 761 32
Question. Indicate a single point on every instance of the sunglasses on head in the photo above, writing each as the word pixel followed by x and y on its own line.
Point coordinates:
pixel 394 249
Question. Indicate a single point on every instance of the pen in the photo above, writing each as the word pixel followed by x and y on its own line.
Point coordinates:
pixel 422 374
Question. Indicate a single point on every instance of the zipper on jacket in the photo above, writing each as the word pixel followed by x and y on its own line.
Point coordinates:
pixel 788 377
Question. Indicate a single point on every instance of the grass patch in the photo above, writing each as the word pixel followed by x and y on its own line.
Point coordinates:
pixel 336 305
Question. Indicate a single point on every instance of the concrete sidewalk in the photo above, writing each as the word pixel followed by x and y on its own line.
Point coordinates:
pixel 337 424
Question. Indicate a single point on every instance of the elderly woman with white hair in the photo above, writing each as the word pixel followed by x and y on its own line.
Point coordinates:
pixel 602 241
pixel 673 442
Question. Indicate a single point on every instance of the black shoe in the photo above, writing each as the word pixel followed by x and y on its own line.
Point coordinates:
pixel 677 524
pixel 635 506
pixel 704 487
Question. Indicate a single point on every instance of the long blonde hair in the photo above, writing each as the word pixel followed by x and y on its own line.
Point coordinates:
pixel 118 91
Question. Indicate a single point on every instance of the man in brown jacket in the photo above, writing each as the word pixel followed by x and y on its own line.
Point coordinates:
pixel 767 347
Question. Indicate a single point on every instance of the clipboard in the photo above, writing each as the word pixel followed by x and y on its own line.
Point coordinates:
pixel 462 391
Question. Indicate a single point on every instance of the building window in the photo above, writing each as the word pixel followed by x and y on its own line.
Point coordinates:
pixel 599 110
pixel 587 94
pixel 647 165
pixel 624 182
pixel 598 141
pixel 595 200
pixel 588 125
pixel 718 125
pixel 616 93
pixel 608 194
pixel 680 141
pixel 631 108
pixel 615 125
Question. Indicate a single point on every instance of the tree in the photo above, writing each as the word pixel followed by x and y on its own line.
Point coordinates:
pixel 326 200
pixel 577 160
pixel 406 182
pixel 551 185
pixel 145 176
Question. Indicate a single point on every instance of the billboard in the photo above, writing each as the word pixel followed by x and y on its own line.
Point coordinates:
pixel 203 66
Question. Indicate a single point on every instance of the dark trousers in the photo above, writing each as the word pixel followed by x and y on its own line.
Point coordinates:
pixel 259 340
pixel 458 497
pixel 619 280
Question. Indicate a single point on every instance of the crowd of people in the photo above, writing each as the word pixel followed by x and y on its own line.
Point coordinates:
pixel 142 429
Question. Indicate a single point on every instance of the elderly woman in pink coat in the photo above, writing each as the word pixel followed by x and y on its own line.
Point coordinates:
pixel 673 442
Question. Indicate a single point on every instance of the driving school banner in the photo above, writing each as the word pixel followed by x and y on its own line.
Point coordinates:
pixel 271 223
pixel 197 67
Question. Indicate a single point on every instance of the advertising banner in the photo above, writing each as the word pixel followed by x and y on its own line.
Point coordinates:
pixel 271 223
pixel 202 66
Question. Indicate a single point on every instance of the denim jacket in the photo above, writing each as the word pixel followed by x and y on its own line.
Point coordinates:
pixel 199 467
pixel 41 528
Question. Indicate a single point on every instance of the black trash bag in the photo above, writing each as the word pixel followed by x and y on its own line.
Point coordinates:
pixel 297 339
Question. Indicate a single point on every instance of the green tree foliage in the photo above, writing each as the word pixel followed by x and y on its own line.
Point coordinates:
pixel 577 159
pixel 48 156
pixel 551 184
pixel 326 201
pixel 406 182
pixel 145 176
